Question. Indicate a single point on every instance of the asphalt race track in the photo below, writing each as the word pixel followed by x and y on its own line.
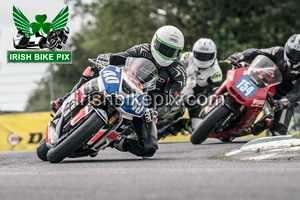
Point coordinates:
pixel 177 171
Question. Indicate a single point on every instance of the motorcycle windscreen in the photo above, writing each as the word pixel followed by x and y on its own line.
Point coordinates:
pixel 263 72
pixel 143 71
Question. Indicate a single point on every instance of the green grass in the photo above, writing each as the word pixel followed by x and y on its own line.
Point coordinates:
pixel 297 135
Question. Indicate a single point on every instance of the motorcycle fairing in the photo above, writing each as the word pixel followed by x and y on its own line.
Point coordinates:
pixel 111 78
pixel 243 90
pixel 135 105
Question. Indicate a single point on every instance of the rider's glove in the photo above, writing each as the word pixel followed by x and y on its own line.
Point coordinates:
pixel 150 114
pixel 235 59
pixel 281 104
pixel 103 59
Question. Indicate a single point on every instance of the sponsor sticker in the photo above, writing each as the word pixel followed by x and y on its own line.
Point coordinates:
pixel 258 103
pixel 231 75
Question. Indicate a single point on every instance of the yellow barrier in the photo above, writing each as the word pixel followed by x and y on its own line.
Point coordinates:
pixel 22 131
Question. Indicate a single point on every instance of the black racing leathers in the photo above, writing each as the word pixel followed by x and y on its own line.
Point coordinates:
pixel 169 85
pixel 170 81
pixel 289 87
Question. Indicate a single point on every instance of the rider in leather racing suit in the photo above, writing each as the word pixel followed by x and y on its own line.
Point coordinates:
pixel 204 76
pixel 287 59
pixel 166 45
pixel 202 66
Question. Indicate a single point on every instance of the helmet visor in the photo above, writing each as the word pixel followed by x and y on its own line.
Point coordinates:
pixel 143 70
pixel 204 56
pixel 166 50
pixel 293 55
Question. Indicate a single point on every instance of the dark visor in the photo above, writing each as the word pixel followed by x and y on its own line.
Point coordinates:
pixel 204 56
pixel 166 51
pixel 293 55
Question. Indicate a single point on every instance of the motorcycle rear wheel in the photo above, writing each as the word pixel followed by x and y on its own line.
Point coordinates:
pixel 76 139
pixel 208 125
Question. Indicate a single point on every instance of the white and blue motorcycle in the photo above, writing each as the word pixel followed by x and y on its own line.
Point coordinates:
pixel 99 111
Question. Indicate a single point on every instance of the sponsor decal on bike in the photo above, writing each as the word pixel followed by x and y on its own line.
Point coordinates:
pixel 231 75
pixel 245 72
pixel 258 103
pixel 40 33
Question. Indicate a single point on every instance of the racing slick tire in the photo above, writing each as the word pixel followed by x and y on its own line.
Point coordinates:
pixel 80 135
pixel 208 125
pixel 42 151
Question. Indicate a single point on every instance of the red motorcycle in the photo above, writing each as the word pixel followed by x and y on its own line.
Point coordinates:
pixel 238 102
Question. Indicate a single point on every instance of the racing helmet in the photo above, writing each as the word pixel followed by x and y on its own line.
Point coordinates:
pixel 205 52
pixel 292 51
pixel 166 45
pixel 142 72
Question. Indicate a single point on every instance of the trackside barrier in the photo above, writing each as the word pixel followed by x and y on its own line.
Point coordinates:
pixel 22 131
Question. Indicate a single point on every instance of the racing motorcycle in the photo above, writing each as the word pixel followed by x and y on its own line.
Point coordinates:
pixel 167 125
pixel 91 118
pixel 238 101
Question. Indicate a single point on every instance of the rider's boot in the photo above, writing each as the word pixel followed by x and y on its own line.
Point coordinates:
pixel 119 143
pixel 262 124
pixel 177 126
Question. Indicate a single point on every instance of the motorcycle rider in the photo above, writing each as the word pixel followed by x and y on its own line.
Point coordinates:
pixel 166 45
pixel 202 65
pixel 287 59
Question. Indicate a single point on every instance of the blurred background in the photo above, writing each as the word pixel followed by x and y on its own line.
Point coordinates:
pixel 102 26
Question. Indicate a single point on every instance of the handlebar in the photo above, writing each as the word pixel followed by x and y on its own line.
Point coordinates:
pixel 234 65
pixel 97 63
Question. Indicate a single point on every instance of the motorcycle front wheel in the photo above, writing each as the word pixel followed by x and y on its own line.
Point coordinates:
pixel 208 125
pixel 42 151
pixel 84 132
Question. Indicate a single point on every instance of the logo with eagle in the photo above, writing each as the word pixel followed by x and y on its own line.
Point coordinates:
pixel 41 34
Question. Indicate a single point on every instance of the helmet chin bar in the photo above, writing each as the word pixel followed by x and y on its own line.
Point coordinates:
pixel 204 64
pixel 288 63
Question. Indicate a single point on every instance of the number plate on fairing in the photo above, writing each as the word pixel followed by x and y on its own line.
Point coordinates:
pixel 246 87
pixel 136 105
pixel 111 77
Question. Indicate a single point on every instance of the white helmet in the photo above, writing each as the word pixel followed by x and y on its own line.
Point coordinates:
pixel 166 45
pixel 292 51
pixel 205 52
